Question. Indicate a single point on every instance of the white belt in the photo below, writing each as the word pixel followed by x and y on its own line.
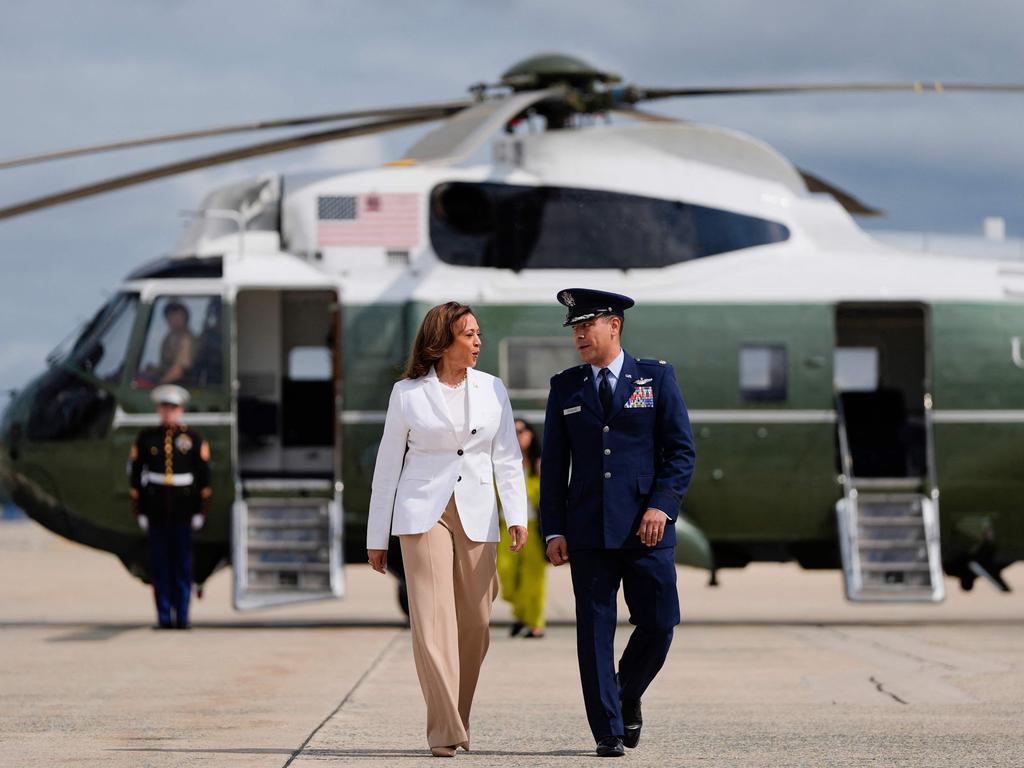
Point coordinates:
pixel 156 478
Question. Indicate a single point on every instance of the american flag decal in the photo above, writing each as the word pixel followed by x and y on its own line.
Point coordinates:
pixel 388 220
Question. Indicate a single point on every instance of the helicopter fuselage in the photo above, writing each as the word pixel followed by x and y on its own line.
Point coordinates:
pixel 811 357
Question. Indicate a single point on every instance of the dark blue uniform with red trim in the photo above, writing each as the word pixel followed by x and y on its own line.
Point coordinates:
pixel 170 482
pixel 599 474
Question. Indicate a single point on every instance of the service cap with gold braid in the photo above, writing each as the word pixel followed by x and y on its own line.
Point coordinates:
pixel 585 304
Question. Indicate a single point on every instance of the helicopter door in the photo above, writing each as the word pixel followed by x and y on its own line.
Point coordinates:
pixel 287 514
pixel 888 518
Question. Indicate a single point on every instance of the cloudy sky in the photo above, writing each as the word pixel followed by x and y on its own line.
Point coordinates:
pixel 75 73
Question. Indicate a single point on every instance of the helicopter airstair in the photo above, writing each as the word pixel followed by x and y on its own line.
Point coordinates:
pixel 888 534
pixel 287 537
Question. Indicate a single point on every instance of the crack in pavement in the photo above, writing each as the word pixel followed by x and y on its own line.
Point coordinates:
pixel 345 699
pixel 880 687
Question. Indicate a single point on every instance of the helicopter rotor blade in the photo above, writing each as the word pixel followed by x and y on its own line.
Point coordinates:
pixel 223 130
pixel 647 117
pixel 918 86
pixel 227 156
pixel 849 202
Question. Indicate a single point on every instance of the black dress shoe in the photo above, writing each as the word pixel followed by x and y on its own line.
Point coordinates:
pixel 632 720
pixel 610 746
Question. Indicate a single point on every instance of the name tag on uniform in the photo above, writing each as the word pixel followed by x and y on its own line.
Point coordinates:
pixel 642 397
pixel 574 409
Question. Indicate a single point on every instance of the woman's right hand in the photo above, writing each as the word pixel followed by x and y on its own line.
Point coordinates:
pixel 378 559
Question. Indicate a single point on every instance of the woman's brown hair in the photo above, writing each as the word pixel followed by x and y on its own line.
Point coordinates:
pixel 436 334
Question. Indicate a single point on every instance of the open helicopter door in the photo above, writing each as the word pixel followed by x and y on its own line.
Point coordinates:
pixel 888 518
pixel 287 519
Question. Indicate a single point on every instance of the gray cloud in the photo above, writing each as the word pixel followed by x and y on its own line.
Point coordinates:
pixel 74 73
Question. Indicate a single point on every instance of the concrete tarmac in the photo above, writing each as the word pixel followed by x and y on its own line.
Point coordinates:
pixel 772 668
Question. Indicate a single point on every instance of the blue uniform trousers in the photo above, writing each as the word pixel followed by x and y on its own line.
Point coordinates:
pixel 170 547
pixel 648 578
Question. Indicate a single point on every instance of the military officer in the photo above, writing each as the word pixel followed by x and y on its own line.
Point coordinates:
pixel 170 492
pixel 617 458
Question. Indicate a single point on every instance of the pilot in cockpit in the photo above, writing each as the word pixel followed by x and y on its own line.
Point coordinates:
pixel 177 350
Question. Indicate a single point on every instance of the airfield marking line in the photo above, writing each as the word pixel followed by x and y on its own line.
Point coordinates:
pixel 874 642
pixel 362 678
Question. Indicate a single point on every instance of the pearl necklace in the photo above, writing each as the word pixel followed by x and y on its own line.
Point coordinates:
pixel 456 386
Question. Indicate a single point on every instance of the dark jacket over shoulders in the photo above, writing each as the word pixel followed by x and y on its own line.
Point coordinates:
pixel 599 475
pixel 169 473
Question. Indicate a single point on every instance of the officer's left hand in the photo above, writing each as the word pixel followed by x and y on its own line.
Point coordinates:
pixel 197 522
pixel 652 527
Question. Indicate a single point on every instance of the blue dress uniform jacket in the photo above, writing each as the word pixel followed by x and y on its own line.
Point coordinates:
pixel 599 475
pixel 170 482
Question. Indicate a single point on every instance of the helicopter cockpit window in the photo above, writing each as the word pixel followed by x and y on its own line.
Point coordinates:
pixel 763 373
pixel 519 227
pixel 102 347
pixel 69 407
pixel 184 344
pixel 73 406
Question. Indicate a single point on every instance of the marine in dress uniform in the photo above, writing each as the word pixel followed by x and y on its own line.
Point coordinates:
pixel 617 458
pixel 170 492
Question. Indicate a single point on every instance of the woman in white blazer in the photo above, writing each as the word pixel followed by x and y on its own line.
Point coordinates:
pixel 449 440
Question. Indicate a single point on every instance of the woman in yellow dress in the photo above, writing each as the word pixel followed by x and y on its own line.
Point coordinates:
pixel 522 576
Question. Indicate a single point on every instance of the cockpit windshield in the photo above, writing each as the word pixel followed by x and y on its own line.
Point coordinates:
pixel 101 348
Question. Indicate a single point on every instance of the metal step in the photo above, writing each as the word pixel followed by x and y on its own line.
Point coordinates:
pixel 882 544
pixel 907 484
pixel 889 543
pixel 258 524
pixel 286 548
pixel 907 521
pixel 289 546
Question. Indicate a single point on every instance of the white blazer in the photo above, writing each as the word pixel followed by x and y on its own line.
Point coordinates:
pixel 409 496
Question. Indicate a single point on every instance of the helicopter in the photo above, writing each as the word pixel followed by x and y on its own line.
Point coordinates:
pixel 839 388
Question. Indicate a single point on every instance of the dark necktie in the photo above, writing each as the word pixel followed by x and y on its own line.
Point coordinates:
pixel 604 390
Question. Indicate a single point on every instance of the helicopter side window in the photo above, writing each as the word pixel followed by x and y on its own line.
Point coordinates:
pixel 527 364
pixel 763 373
pixel 519 227
pixel 855 369
pixel 184 344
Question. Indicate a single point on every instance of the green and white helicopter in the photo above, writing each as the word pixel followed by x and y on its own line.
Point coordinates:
pixel 841 391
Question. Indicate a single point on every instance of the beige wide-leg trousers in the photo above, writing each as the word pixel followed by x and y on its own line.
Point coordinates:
pixel 452 583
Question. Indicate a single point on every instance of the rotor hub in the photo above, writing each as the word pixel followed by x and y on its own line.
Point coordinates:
pixel 547 69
